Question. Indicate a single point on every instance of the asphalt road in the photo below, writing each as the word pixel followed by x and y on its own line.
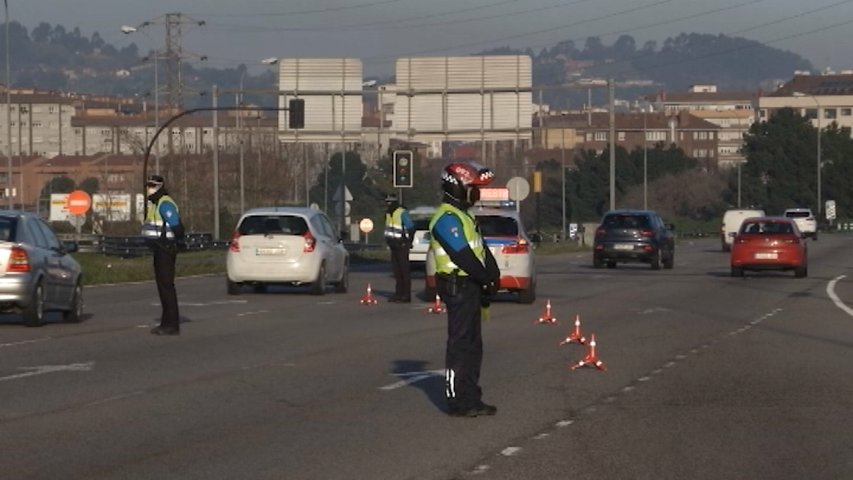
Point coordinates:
pixel 709 377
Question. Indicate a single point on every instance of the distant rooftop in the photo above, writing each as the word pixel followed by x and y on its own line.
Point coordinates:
pixel 827 84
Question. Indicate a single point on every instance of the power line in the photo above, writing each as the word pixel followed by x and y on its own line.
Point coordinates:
pixel 527 34
pixel 311 12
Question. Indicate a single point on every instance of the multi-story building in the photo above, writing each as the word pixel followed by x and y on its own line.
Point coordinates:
pixel 733 112
pixel 697 137
pixel 824 98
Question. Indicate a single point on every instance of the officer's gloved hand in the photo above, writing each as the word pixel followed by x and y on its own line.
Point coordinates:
pixel 490 289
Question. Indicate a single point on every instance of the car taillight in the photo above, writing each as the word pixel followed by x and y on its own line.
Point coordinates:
pixel 234 246
pixel 647 233
pixel 19 261
pixel 519 247
pixel 310 241
pixel 601 232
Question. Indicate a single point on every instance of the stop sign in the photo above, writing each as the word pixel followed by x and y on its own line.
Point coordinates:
pixel 78 202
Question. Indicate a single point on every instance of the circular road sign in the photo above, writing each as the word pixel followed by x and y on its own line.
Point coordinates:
pixel 365 225
pixel 518 188
pixel 78 202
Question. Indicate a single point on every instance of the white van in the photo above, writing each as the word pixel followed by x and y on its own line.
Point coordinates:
pixel 732 220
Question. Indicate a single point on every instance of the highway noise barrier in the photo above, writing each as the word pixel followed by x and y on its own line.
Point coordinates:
pixel 436 306
pixel 368 298
pixel 576 335
pixel 591 358
pixel 546 315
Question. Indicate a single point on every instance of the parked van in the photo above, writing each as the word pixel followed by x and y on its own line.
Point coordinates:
pixel 732 220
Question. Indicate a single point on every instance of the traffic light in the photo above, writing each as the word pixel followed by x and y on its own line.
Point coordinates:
pixel 296 113
pixel 403 169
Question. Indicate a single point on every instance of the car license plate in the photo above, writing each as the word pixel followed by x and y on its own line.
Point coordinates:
pixel 623 246
pixel 766 256
pixel 271 251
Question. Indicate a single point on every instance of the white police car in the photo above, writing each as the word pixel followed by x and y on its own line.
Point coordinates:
pixel 421 217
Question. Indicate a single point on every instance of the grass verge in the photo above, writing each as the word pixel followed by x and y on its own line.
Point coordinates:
pixel 100 269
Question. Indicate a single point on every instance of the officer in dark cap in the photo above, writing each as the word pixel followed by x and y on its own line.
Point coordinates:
pixel 164 233
pixel 399 234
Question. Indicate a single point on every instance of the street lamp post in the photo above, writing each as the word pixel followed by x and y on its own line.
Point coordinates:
pixel 239 101
pixel 8 106
pixel 645 165
pixel 127 30
pixel 817 114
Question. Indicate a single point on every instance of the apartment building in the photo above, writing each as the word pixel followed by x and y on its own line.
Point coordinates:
pixel 733 112
pixel 697 137
pixel 825 98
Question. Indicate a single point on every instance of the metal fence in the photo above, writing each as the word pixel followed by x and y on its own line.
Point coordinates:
pixel 134 245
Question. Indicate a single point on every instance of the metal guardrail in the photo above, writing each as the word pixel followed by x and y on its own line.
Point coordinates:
pixel 134 245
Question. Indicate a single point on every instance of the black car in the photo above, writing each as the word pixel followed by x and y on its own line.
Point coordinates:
pixel 637 236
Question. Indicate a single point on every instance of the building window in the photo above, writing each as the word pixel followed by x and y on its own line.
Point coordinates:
pixel 621 136
pixel 656 136
pixel 845 112
pixel 600 136
pixel 810 113
pixel 829 113
pixel 762 113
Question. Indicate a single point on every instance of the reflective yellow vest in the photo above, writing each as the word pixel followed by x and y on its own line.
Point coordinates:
pixel 394 232
pixel 443 264
pixel 154 224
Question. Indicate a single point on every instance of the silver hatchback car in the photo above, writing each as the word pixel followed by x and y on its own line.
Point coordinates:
pixel 37 274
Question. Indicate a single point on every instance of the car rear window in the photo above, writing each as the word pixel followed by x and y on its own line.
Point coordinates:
pixel 798 214
pixel 497 226
pixel 7 229
pixel 273 224
pixel 421 223
pixel 626 221
pixel 767 228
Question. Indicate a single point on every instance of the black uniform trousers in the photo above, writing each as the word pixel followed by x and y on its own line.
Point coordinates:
pixel 165 255
pixel 464 355
pixel 402 272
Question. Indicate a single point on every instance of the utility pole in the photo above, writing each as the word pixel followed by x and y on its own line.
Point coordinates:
pixel 215 163
pixel 612 138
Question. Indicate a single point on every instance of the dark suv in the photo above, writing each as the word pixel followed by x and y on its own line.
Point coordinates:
pixel 633 236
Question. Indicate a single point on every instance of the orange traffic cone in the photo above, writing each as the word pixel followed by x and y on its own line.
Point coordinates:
pixel 546 315
pixel 368 298
pixel 576 335
pixel 591 358
pixel 436 307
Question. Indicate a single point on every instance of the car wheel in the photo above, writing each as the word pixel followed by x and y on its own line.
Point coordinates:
pixel 34 313
pixel 343 285
pixel 737 272
pixel 233 287
pixel 319 285
pixel 814 237
pixel 597 262
pixel 611 264
pixel 656 260
pixel 75 311
pixel 669 262
pixel 726 247
pixel 801 272
pixel 527 296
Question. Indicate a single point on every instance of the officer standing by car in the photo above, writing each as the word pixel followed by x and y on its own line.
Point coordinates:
pixel 164 232
pixel 466 277
pixel 399 233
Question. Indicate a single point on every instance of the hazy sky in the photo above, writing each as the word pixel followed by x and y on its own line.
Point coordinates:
pixel 378 31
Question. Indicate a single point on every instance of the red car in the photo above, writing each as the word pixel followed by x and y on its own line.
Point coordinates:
pixel 769 243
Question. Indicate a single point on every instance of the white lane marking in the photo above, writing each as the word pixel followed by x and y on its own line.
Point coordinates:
pixel 510 451
pixel 43 369
pixel 331 302
pixel 830 290
pixel 412 377
pixel 252 313
pixel 644 379
pixel 542 436
pixel 25 342
pixel 115 398
pixel 209 304
pixel 480 469
pixel 564 423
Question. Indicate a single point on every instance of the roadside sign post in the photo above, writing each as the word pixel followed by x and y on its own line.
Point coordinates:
pixel 366 226
pixel 78 203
